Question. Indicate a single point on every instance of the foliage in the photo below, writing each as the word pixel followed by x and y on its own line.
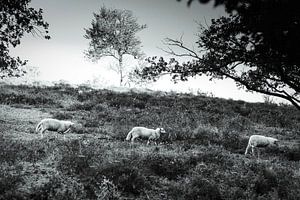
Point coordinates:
pixel 60 187
pixel 201 156
pixel 279 31
pixel 167 166
pixel 9 182
pixel 113 34
pixel 254 47
pixel 200 188
pixel 62 116
pixel 17 18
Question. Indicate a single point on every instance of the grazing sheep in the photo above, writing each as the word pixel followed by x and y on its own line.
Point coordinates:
pixel 257 141
pixel 143 132
pixel 53 125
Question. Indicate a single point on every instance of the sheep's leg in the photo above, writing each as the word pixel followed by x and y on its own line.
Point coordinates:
pixel 42 131
pixel 151 138
pixel 68 130
pixel 133 138
pixel 63 134
pixel 253 150
pixel 247 150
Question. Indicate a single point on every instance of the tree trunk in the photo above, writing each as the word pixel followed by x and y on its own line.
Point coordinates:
pixel 121 69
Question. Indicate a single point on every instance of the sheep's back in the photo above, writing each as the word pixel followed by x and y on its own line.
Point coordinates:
pixel 260 141
pixel 52 124
pixel 142 131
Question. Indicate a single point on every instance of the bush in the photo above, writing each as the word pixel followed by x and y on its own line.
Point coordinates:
pixel 237 123
pixel 233 141
pixel 27 99
pixel 207 134
pixel 107 190
pixel 30 151
pixel 71 161
pixel 87 106
pixel 62 115
pixel 126 177
pixel 9 180
pixel 60 187
pixel 292 154
pixel 169 167
pixel 200 188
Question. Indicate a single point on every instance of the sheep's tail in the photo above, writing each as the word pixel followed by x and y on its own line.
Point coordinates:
pixel 129 135
pixel 38 127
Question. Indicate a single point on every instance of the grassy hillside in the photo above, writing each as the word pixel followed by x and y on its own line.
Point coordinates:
pixel 200 157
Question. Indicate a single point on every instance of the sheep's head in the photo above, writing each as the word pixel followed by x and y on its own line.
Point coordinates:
pixel 71 125
pixel 162 130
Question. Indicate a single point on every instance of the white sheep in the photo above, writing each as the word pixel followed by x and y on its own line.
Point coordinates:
pixel 257 141
pixel 49 124
pixel 143 132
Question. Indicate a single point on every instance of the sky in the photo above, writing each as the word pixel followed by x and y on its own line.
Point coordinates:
pixel 62 57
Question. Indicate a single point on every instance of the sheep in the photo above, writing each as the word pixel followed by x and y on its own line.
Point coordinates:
pixel 53 125
pixel 143 132
pixel 257 141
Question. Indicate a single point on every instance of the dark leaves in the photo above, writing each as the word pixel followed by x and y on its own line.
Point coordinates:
pixel 16 19
pixel 241 48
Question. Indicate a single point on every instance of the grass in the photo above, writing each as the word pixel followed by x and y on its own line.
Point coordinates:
pixel 200 157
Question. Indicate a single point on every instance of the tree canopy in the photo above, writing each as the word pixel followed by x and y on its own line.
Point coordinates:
pixel 17 18
pixel 113 33
pixel 255 46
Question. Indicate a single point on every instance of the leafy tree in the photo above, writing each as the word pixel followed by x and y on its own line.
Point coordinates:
pixel 17 18
pixel 113 33
pixel 278 22
pixel 251 47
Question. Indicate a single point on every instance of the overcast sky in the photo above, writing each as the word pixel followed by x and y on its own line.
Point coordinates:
pixel 62 58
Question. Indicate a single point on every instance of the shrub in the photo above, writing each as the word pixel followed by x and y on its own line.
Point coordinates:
pixel 14 151
pixel 107 190
pixel 9 180
pixel 237 123
pixel 165 166
pixel 207 134
pixel 71 162
pixel 233 141
pixel 92 123
pixel 126 177
pixel 62 115
pixel 27 99
pixel 265 181
pixel 60 187
pixel 292 154
pixel 87 106
pixel 200 188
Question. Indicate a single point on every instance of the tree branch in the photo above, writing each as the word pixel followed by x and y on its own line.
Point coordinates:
pixel 180 44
